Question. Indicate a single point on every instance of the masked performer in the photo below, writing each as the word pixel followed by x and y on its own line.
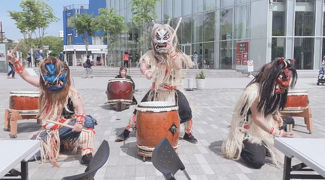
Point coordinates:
pixel 163 65
pixel 256 118
pixel 59 103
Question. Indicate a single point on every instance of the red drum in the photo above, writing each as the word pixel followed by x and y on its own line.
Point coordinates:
pixel 297 100
pixel 24 100
pixel 156 120
pixel 119 90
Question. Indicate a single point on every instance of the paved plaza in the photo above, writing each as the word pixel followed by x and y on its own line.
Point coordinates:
pixel 212 109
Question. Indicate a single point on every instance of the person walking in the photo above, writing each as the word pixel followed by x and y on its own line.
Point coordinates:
pixel 12 70
pixel 126 59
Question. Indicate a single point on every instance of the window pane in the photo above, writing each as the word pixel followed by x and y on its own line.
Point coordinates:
pixel 303 53
pixel 197 6
pixel 168 9
pixel 278 47
pixel 241 22
pixel 209 26
pixel 198 28
pixel 225 54
pixel 227 3
pixel 187 30
pixel 226 24
pixel 304 24
pixel 278 24
pixel 209 5
pixel 177 8
pixel 208 56
pixel 187 7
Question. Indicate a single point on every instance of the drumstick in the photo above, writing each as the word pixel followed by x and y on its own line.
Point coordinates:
pixel 16 47
pixel 66 125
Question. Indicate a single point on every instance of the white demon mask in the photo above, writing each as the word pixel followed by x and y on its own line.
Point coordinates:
pixel 163 39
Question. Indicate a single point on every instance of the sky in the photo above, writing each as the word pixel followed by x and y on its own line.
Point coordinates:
pixel 9 26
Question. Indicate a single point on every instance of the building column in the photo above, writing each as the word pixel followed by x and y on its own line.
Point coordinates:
pixel 216 37
pixel 290 28
pixel 74 58
pixel 318 32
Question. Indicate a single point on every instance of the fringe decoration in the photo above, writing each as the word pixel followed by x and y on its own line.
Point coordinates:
pixel 232 146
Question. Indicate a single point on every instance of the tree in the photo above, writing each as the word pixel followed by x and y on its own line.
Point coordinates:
pixel 55 45
pixel 143 14
pixel 47 17
pixel 85 26
pixel 35 14
pixel 111 24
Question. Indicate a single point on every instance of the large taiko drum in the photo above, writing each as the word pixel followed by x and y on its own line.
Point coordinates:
pixel 155 121
pixel 119 90
pixel 24 100
pixel 297 100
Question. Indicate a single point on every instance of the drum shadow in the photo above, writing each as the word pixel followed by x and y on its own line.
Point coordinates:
pixel 131 149
pixel 28 127
pixel 118 131
pixel 105 106
pixel 216 147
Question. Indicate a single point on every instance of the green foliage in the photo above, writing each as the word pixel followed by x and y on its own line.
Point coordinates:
pixel 201 75
pixel 55 45
pixel 143 11
pixel 85 26
pixel 110 23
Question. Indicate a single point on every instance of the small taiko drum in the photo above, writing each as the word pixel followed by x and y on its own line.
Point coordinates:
pixel 24 100
pixel 119 90
pixel 155 121
pixel 297 100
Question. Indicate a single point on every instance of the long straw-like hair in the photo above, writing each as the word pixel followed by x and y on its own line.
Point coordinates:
pixel 51 103
pixel 269 101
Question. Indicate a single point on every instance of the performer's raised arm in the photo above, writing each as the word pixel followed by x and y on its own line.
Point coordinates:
pixel 19 68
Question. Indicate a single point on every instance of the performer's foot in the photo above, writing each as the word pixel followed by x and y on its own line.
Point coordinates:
pixel 122 137
pixel 190 138
pixel 86 159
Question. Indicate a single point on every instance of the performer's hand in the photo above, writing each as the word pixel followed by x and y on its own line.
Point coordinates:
pixel 148 74
pixel 278 119
pixel 286 134
pixel 77 127
pixel 11 57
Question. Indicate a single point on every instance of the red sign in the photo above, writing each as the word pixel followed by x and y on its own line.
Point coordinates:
pixel 241 53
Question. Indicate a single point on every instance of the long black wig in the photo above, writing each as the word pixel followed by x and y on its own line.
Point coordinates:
pixel 269 100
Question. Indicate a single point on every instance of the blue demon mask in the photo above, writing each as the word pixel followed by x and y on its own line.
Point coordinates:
pixel 52 81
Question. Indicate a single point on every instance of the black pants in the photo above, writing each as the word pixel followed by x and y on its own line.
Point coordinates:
pixel 126 64
pixel 184 109
pixel 12 71
pixel 253 154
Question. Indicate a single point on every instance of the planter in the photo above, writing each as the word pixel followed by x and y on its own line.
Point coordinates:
pixel 200 83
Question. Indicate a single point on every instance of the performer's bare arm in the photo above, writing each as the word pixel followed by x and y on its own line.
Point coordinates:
pixel 258 118
pixel 144 68
pixel 24 74
pixel 79 109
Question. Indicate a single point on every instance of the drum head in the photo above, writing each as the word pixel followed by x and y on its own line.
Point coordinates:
pixel 156 106
pixel 25 93
pixel 297 92
pixel 120 80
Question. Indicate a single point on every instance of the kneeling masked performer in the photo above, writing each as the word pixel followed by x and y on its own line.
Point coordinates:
pixel 60 107
pixel 256 119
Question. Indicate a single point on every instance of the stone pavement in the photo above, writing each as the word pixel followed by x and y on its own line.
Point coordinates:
pixel 212 109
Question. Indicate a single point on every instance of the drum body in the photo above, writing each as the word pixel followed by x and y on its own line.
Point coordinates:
pixel 24 100
pixel 119 90
pixel 155 121
pixel 297 100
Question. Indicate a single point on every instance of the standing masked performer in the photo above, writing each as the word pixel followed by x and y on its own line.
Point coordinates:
pixel 163 65
pixel 256 119
pixel 59 102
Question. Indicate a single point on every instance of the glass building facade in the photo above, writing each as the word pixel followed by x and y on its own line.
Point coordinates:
pixel 227 33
